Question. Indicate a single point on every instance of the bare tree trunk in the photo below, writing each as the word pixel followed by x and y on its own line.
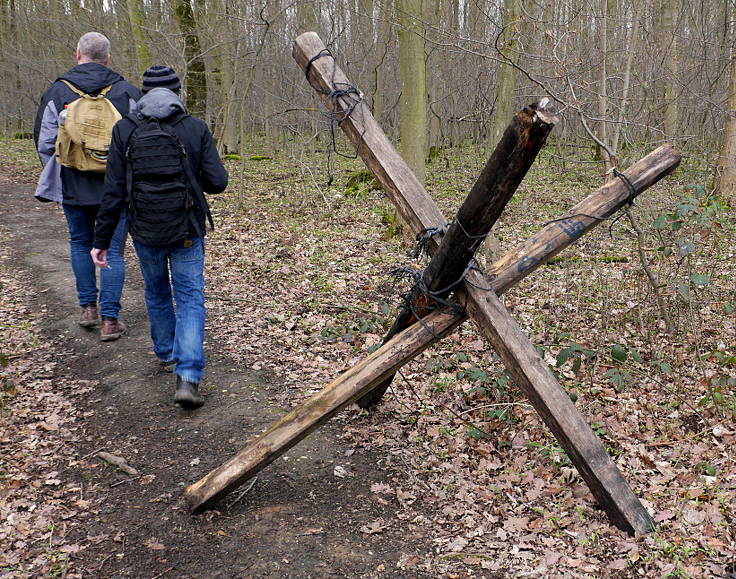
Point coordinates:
pixel 668 45
pixel 413 86
pixel 506 72
pixel 196 78
pixel 603 84
pixel 142 55
pixel 230 125
pixel 727 161
pixel 631 50
pixel 306 17
pixel 384 11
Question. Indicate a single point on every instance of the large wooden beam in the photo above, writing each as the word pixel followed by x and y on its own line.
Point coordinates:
pixel 533 376
pixel 548 399
pixel 612 491
pixel 508 164
pixel 416 208
pixel 296 425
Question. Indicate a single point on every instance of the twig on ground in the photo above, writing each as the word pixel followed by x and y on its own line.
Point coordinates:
pixel 95 451
pixel 163 573
pixel 123 481
pixel 242 493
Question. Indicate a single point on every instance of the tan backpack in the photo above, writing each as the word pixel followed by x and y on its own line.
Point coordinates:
pixel 85 131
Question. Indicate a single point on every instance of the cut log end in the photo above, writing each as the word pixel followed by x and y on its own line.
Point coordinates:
pixel 544 112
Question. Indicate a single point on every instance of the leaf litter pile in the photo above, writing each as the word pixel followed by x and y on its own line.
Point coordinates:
pixel 298 285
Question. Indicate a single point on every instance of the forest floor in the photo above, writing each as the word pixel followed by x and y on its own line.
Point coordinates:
pixel 452 475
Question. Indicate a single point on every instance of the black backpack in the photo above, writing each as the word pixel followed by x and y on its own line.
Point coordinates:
pixel 163 193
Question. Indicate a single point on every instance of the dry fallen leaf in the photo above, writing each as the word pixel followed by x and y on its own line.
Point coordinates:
pixel 117 461
pixel 374 527
pixel 154 544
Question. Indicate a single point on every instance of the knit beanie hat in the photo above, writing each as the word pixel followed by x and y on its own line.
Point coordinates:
pixel 160 76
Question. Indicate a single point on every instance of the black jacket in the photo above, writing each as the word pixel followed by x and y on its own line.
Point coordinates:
pixel 194 135
pixel 79 187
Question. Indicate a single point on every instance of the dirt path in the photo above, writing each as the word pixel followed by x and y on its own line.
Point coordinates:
pixel 299 519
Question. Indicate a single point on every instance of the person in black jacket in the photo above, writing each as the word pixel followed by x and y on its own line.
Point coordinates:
pixel 177 269
pixel 80 192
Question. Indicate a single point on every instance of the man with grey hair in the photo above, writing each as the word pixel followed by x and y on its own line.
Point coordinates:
pixel 80 192
pixel 94 47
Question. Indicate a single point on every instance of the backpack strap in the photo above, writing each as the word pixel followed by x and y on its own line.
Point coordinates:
pixel 137 121
pixel 81 93
pixel 196 187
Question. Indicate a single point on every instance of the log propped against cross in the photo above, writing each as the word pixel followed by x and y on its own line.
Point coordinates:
pixel 473 293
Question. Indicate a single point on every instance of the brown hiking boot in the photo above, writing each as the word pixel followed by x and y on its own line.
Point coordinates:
pixel 89 316
pixel 112 329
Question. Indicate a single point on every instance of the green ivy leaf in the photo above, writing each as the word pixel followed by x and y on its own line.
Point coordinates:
pixel 618 353
pixel 699 280
pixel 564 355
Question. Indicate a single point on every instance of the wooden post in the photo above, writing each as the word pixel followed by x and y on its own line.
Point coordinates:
pixel 504 273
pixel 416 208
pixel 585 450
pixel 533 376
pixel 319 409
pixel 510 161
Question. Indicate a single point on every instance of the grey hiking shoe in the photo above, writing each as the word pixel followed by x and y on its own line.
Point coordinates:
pixel 89 316
pixel 112 329
pixel 187 394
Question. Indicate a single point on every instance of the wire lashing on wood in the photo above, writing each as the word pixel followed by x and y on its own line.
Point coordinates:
pixel 633 194
pixel 339 103
pixel 424 237
pixel 420 300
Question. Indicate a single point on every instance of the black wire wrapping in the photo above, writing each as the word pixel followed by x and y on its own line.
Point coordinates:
pixel 477 238
pixel 633 194
pixel 433 298
pixel 419 288
pixel 424 237
pixel 341 94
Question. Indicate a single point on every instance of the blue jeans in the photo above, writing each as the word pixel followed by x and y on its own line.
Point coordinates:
pixel 81 222
pixel 177 331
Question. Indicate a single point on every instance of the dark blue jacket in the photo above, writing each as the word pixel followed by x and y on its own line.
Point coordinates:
pixel 62 183
pixel 195 136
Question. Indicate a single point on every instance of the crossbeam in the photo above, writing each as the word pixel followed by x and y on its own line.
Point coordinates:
pixel 585 450
pixel 508 164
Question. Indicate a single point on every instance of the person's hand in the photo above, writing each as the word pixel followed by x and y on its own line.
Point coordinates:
pixel 99 256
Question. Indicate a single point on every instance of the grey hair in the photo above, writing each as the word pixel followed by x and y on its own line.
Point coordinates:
pixel 94 47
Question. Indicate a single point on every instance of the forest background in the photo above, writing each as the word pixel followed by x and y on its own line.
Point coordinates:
pixel 636 320
pixel 624 71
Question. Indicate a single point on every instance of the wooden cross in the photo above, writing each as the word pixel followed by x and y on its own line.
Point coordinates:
pixel 366 381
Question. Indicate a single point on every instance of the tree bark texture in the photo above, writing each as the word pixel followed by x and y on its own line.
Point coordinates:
pixel 505 96
pixel 521 142
pixel 196 77
pixel 413 85
pixel 601 475
pixel 727 161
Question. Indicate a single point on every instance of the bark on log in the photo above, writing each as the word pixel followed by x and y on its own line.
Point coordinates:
pixel 319 409
pixel 615 496
pixel 516 151
pixel 621 506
